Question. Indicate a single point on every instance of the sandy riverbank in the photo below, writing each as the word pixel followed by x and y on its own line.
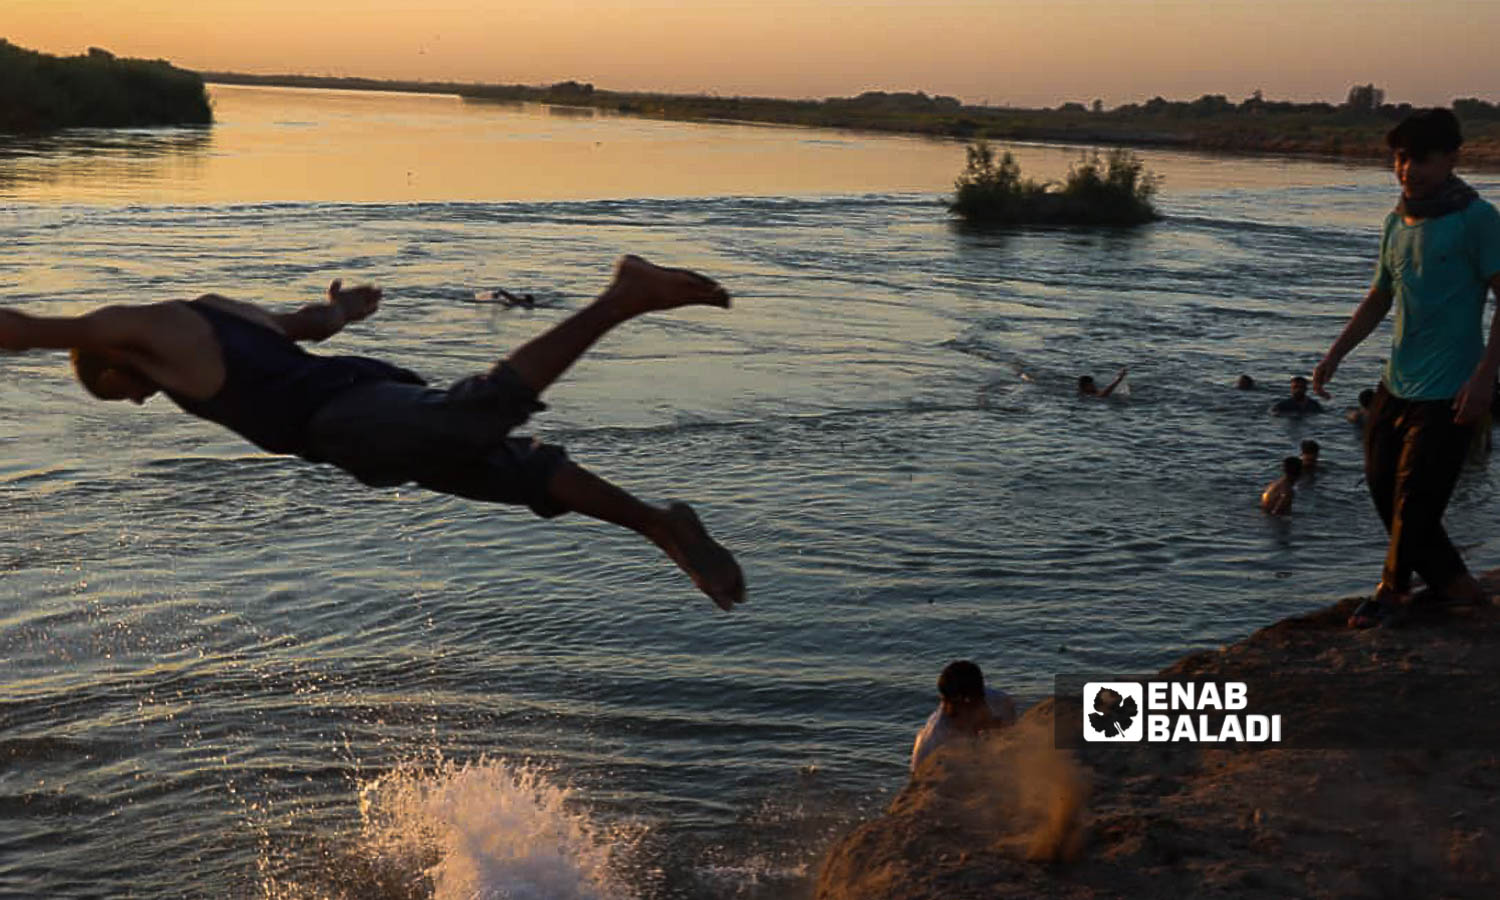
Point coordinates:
pixel 1018 818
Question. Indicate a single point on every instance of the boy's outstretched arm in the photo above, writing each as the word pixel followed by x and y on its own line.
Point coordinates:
pixel 1366 317
pixel 320 321
pixel 102 329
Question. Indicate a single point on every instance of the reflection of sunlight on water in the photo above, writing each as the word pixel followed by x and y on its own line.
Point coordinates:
pixel 472 831
pixel 755 876
pixel 102 162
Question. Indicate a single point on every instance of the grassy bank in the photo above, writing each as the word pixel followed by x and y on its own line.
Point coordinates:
pixel 1351 130
pixel 40 92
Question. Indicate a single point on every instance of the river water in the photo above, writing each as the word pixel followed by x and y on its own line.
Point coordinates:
pixel 228 674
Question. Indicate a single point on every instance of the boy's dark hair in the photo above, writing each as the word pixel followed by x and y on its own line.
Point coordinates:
pixel 1292 467
pixel 1426 131
pixel 1366 397
pixel 1311 446
pixel 1084 381
pixel 1245 383
pixel 1298 379
pixel 961 680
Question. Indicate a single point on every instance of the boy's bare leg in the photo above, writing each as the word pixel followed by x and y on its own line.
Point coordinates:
pixel 638 287
pixel 674 528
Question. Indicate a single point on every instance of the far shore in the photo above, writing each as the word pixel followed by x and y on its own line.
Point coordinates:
pixel 1209 124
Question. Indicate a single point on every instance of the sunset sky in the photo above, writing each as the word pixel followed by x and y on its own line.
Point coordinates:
pixel 1017 52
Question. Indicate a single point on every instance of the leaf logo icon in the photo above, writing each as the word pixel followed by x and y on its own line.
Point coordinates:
pixel 1112 713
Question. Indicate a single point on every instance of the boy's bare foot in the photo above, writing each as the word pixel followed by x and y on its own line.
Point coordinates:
pixel 1387 606
pixel 640 286
pixel 712 568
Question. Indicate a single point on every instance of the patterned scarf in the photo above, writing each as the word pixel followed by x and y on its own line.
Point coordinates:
pixel 1450 196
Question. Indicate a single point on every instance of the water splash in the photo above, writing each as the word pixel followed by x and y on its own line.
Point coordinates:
pixel 483 830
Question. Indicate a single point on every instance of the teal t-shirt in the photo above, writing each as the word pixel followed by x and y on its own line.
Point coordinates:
pixel 1438 272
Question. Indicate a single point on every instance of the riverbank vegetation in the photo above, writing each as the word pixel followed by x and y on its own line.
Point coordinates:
pixel 1115 189
pixel 1354 128
pixel 41 92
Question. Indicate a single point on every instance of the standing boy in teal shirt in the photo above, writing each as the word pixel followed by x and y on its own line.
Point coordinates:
pixel 1439 256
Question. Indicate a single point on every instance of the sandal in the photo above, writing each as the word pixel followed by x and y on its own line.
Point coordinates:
pixel 1386 608
pixel 1369 614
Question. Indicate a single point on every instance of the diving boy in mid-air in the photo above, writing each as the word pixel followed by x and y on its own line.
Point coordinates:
pixel 239 365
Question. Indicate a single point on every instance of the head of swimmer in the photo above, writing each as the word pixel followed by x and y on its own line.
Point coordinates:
pixel 1291 467
pixel 1086 385
pixel 1309 457
pixel 961 690
pixel 108 379
pixel 1299 387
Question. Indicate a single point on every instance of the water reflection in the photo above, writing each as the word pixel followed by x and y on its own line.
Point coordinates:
pixel 274 145
pixel 571 112
pixel 118 157
pixel 291 145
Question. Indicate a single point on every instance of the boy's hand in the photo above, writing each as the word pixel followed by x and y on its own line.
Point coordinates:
pixel 1473 400
pixel 355 303
pixel 1324 374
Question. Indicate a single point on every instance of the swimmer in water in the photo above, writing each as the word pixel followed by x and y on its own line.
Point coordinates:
pixel 1087 387
pixel 1298 404
pixel 506 299
pixel 1276 500
pixel 1359 415
pixel 1310 450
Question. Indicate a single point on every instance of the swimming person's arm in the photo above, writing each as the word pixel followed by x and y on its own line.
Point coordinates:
pixel 321 321
pixel 1365 319
pixel 1114 384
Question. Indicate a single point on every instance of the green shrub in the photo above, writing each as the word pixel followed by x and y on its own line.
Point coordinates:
pixel 1115 189
pixel 40 92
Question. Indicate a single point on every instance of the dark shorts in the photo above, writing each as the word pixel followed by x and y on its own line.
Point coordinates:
pixel 456 441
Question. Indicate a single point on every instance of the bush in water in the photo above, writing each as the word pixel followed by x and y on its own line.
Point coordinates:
pixel 1115 189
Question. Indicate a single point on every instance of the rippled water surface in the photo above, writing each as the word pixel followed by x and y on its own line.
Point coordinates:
pixel 231 674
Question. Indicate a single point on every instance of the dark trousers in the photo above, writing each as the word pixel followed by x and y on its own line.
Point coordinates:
pixel 1413 454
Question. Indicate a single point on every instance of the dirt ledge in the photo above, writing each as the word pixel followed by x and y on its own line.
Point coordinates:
pixel 1016 818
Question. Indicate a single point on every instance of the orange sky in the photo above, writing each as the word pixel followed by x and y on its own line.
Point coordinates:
pixel 1021 52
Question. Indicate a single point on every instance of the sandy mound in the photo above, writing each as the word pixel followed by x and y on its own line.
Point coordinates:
pixel 1017 818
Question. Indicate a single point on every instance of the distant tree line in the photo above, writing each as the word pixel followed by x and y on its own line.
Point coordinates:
pixel 1472 109
pixel 1363 100
pixel 41 92
pixel 1354 128
pixel 902 110
pixel 902 102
